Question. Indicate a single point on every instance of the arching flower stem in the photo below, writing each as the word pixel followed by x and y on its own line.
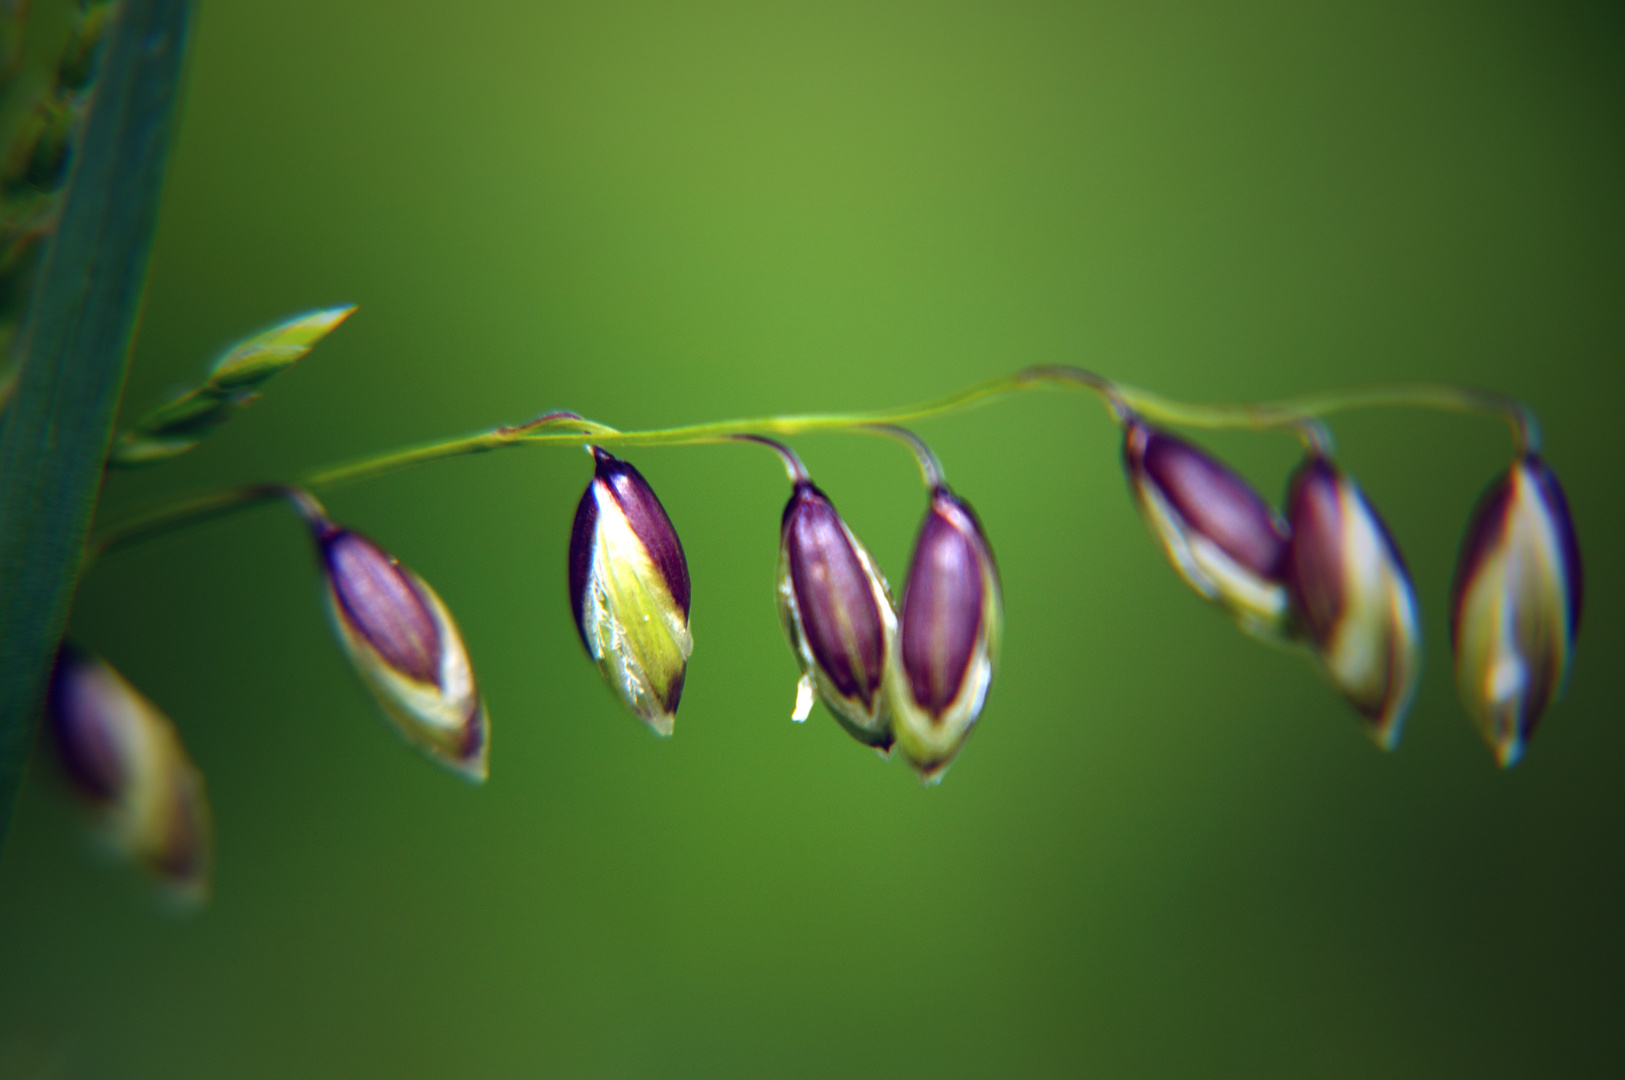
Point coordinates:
pixel 1299 411
pixel 1298 415
pixel 930 467
pixel 793 467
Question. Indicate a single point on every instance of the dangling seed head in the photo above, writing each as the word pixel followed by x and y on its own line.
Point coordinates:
pixel 1353 596
pixel 1223 538
pixel 948 632
pixel 125 761
pixel 407 650
pixel 837 613
pixel 629 591
pixel 1515 606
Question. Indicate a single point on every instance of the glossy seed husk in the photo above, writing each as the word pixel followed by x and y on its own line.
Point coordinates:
pixel 1515 606
pixel 948 632
pixel 1352 596
pixel 407 649
pixel 126 763
pixel 836 610
pixel 1221 536
pixel 629 591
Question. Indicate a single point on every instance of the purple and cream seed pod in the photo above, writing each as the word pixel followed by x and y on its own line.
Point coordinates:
pixel 405 646
pixel 1219 533
pixel 1352 596
pixel 837 612
pixel 125 762
pixel 629 591
pixel 1515 605
pixel 948 632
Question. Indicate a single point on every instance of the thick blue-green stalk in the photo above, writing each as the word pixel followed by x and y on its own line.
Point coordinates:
pixel 76 346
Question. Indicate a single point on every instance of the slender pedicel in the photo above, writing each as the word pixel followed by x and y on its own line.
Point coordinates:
pixel 1515 605
pixel 629 591
pixel 948 633
pixel 1223 538
pixel 1353 596
pixel 405 646
pixel 836 611
pixel 930 467
pixel 125 761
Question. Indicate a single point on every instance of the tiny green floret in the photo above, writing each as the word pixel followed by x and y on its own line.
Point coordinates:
pixel 179 424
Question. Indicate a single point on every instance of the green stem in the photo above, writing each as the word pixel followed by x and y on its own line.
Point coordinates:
pixel 930 467
pixel 793 468
pixel 193 511
pixel 1298 415
pixel 1299 411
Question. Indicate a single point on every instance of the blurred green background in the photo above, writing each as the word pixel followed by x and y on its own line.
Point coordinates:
pixel 1168 851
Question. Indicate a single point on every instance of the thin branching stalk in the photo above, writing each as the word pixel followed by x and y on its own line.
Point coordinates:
pixel 1299 416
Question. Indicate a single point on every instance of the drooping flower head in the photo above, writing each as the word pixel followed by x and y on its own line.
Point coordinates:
pixel 629 591
pixel 1515 606
pixel 1353 596
pixel 1223 538
pixel 837 613
pixel 126 762
pixel 407 650
pixel 948 632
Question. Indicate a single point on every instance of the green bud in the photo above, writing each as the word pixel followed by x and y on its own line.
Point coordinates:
pixel 251 362
pixel 132 451
pixel 179 424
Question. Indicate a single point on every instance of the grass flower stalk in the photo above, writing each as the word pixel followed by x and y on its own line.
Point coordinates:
pixel 1298 416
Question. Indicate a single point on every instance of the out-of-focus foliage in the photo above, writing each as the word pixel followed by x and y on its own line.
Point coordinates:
pixel 38 125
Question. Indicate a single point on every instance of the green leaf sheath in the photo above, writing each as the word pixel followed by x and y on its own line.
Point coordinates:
pixel 76 343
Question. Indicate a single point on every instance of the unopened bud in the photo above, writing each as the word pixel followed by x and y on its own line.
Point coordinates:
pixel 1516 605
pixel 125 761
pixel 1353 596
pixel 837 613
pixel 254 360
pixel 407 650
pixel 948 633
pixel 234 382
pixel 1223 538
pixel 629 591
